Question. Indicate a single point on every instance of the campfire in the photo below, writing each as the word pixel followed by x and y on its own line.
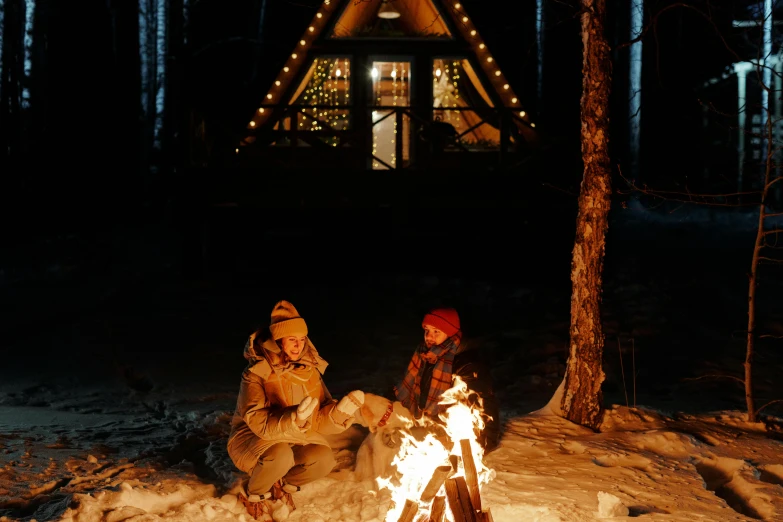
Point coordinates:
pixel 440 475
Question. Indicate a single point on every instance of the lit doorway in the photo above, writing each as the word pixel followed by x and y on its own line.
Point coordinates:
pixel 390 94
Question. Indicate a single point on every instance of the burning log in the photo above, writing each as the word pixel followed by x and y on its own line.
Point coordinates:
pixel 438 509
pixel 471 477
pixel 439 476
pixel 409 511
pixel 459 500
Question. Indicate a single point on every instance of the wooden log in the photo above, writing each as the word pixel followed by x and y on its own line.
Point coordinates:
pixel 438 509
pixel 464 498
pixel 409 511
pixel 439 476
pixel 459 500
pixel 471 476
pixel 424 517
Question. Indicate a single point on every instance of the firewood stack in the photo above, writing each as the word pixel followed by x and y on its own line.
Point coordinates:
pixel 462 493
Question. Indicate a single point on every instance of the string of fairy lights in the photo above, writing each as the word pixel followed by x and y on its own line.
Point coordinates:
pixel 328 93
pixel 333 91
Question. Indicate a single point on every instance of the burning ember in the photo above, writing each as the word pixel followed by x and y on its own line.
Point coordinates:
pixel 443 461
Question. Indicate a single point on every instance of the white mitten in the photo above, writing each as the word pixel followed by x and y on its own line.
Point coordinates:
pixel 348 406
pixel 304 411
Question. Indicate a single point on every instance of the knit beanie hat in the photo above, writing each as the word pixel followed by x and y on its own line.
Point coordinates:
pixel 444 319
pixel 286 321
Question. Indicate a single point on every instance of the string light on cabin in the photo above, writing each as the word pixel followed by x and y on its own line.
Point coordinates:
pixel 481 46
pixel 260 110
pixel 465 19
pixel 506 87
pixel 311 28
pixel 277 82
pixel 513 100
pixel 457 6
pixel 293 56
pixel 473 32
pixel 302 43
pixel 318 15
pixel 286 69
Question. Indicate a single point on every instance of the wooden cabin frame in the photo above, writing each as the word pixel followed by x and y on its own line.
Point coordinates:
pixel 283 132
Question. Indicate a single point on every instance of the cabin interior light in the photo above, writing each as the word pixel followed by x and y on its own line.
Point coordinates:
pixel 387 11
pixel 374 72
pixel 438 72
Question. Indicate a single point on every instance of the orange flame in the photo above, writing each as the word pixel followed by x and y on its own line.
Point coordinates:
pixel 417 457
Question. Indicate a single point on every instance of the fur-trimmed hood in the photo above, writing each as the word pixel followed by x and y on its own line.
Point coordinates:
pixel 262 348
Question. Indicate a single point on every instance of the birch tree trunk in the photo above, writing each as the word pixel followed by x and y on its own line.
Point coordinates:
pixel 582 398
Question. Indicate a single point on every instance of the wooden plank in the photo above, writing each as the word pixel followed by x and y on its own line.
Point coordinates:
pixel 409 511
pixel 438 509
pixel 452 494
pixel 471 476
pixel 488 515
pixel 464 498
pixel 439 476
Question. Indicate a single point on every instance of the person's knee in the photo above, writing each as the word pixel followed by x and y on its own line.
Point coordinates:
pixel 322 460
pixel 279 457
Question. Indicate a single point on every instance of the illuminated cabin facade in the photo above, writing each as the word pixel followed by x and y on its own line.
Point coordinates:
pixel 389 85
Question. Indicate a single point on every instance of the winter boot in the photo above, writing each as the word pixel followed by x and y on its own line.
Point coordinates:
pixel 257 507
pixel 282 491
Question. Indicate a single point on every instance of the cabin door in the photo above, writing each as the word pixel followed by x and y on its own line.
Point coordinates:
pixel 389 101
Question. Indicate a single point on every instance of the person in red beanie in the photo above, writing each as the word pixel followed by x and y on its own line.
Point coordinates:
pixel 436 362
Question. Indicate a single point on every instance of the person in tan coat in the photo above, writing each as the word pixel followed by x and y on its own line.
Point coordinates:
pixel 283 412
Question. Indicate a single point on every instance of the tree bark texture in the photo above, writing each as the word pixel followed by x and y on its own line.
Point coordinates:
pixel 582 398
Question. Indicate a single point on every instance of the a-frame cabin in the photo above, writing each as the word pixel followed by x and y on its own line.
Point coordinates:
pixel 389 85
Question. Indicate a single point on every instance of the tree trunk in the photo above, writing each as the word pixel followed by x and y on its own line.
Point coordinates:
pixel 11 80
pixel 582 400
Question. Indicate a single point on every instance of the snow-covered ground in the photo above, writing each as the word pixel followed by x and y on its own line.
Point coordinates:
pixel 117 407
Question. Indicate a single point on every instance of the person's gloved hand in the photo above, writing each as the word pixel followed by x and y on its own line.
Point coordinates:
pixel 304 410
pixel 347 406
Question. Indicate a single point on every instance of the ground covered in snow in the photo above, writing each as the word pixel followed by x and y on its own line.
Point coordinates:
pixel 121 370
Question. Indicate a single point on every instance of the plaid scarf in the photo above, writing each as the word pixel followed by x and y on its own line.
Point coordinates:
pixel 409 389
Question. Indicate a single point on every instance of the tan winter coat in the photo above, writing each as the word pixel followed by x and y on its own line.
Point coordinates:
pixel 271 389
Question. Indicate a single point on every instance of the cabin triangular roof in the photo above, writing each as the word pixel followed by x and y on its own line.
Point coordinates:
pixel 346 20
